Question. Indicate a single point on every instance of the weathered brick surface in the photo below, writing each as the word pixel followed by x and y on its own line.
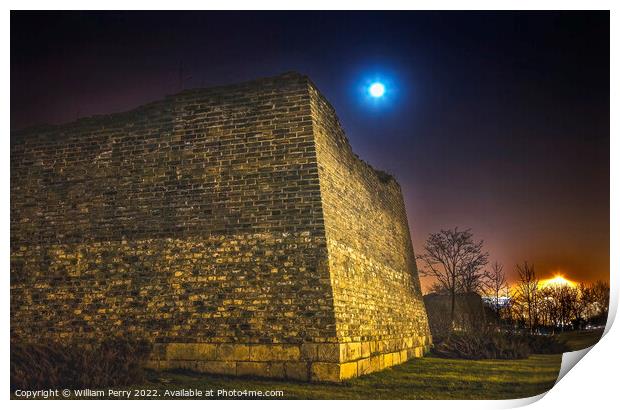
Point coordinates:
pixel 374 277
pixel 232 226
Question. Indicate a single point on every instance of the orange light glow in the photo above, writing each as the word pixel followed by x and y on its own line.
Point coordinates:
pixel 557 281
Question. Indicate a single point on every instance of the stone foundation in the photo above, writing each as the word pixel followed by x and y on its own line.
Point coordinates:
pixel 321 362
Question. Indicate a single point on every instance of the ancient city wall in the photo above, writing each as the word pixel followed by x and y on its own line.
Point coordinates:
pixel 200 222
pixel 380 316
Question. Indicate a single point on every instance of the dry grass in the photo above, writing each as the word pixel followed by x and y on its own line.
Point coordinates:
pixel 111 362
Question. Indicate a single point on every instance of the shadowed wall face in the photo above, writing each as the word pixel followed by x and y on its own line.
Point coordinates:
pixel 197 222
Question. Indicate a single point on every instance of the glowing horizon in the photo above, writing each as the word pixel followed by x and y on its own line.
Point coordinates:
pixel 557 281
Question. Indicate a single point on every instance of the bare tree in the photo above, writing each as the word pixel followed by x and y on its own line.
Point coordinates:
pixel 569 301
pixel 472 278
pixel 494 284
pixel 449 256
pixel 562 304
pixel 527 288
pixel 584 301
pixel 548 312
pixel 592 302
pixel 600 295
pixel 511 309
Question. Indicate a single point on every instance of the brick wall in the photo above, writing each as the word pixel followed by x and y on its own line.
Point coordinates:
pixel 377 298
pixel 201 223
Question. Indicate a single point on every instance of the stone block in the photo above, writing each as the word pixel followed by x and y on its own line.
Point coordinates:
pixel 364 366
pixel 218 367
pixel 329 352
pixel 261 353
pixel 257 369
pixel 387 360
pixel 395 358
pixel 365 352
pixel 325 372
pixel 190 351
pixel 373 347
pixel 233 352
pixel 350 351
pixel 286 353
pixel 277 370
pixel 348 370
pixel 375 363
pixel 297 371
pixel 175 364
pixel 409 342
pixel 309 352
pixel 274 352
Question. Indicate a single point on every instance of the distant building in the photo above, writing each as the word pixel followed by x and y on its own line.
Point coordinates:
pixel 502 301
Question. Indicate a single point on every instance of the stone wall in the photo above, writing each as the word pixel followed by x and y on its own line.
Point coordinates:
pixel 219 224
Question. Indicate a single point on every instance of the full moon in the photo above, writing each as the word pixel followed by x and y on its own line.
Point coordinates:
pixel 376 90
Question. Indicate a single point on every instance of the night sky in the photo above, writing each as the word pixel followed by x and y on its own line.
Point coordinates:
pixel 498 122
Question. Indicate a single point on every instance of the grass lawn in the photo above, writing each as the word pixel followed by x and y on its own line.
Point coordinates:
pixel 425 378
